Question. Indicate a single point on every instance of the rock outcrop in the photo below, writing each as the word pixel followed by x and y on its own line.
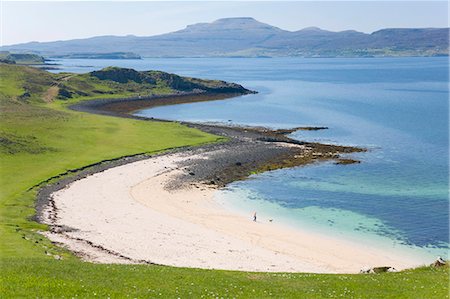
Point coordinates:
pixel 172 81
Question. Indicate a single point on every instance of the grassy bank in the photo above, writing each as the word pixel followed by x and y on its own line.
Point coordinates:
pixel 62 279
pixel 41 138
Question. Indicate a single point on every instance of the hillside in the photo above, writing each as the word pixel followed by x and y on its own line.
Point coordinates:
pixel 247 37
pixel 25 58
pixel 111 82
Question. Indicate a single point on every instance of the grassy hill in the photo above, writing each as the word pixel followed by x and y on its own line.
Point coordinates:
pixel 21 58
pixel 41 138
pixel 30 84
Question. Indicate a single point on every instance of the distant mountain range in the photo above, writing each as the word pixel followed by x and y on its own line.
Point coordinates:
pixel 246 37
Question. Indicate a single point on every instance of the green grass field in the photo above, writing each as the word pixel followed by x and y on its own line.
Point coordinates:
pixel 41 138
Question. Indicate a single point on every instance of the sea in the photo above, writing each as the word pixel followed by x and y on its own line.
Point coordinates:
pixel 396 199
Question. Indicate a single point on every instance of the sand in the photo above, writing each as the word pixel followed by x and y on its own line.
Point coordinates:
pixel 127 214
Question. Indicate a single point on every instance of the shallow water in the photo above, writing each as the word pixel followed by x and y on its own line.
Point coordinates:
pixel 396 107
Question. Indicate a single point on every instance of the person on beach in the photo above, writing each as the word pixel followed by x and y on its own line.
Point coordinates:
pixel 254 216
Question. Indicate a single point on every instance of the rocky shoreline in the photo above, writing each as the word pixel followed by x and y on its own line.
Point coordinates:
pixel 247 149
pixel 124 107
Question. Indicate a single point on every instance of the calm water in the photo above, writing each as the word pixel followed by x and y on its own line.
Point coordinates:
pixel 396 107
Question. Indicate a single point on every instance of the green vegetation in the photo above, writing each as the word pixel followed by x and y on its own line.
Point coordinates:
pixel 41 138
pixel 33 85
pixel 62 279
pixel 25 59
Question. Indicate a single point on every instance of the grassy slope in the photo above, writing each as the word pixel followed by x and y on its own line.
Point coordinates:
pixel 40 140
pixel 22 58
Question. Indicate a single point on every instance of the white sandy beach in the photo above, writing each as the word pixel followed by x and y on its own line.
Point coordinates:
pixel 128 211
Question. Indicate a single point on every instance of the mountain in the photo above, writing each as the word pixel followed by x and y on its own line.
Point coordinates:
pixel 249 38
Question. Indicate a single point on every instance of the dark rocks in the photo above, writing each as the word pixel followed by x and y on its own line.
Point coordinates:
pixel 311 128
pixel 173 81
pixel 122 75
pixel 64 93
pixel 26 95
pixel 289 131
pixel 346 161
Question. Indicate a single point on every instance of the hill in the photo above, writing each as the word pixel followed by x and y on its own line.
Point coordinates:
pixel 110 82
pixel 247 37
pixel 21 58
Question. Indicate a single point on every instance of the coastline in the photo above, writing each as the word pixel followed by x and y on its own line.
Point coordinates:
pixel 239 137
pixel 134 214
pixel 248 150
pixel 124 107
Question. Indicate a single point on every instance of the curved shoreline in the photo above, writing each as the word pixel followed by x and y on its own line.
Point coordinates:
pixel 135 214
pixel 248 150
pixel 261 158
pixel 123 107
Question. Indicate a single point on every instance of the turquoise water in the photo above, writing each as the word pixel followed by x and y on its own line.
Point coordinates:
pixel 396 107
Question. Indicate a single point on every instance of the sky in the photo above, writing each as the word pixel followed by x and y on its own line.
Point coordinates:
pixel 23 21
